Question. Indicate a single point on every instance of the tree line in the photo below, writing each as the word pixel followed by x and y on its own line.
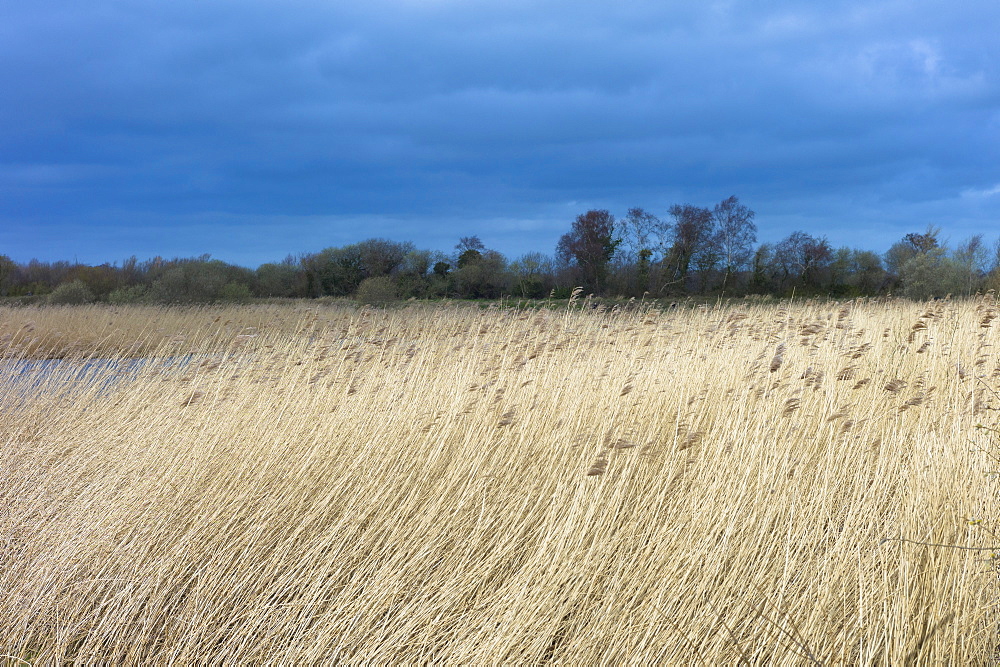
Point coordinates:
pixel 693 251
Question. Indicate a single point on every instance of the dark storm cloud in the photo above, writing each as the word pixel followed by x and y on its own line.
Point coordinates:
pixel 251 129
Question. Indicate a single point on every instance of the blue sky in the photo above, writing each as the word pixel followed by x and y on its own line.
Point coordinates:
pixel 252 129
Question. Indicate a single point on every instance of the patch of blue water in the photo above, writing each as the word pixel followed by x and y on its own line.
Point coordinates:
pixel 23 378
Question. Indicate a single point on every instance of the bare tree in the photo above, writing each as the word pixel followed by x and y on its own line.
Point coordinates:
pixel 692 234
pixel 470 243
pixel 532 274
pixel 972 257
pixel 736 234
pixel 382 257
pixel 641 230
pixel 923 242
pixel 470 250
pixel 803 257
pixel 643 240
pixel 589 246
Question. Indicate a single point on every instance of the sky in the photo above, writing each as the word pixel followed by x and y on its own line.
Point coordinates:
pixel 255 129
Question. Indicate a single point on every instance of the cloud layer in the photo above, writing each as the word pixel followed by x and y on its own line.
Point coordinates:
pixel 253 129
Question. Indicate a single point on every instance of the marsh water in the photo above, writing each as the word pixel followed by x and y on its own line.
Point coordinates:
pixel 21 378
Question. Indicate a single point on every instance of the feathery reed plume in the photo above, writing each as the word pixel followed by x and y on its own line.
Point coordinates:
pixel 777 358
pixel 192 398
pixel 690 440
pixel 847 373
pixel 859 351
pixel 895 385
pixel 598 467
pixel 791 405
pixel 842 315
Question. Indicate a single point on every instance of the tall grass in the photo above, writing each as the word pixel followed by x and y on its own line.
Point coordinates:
pixel 715 485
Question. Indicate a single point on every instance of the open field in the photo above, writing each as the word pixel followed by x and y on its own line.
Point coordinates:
pixel 752 484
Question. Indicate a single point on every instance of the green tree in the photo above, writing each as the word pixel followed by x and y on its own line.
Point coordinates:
pixel 128 295
pixel 339 271
pixel 198 280
pixel 100 280
pixel 280 280
pixel 234 292
pixel 334 271
pixel 643 269
pixel 922 266
pixel 487 278
pixel 470 249
pixel 931 273
pixel 866 273
pixel 908 247
pixel 762 269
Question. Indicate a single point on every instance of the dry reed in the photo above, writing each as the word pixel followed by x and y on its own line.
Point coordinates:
pixel 320 485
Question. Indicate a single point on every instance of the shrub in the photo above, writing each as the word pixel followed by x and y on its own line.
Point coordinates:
pixel 126 295
pixel 71 294
pixel 236 292
pixel 380 289
pixel 929 274
pixel 532 288
pixel 198 281
pixel 281 280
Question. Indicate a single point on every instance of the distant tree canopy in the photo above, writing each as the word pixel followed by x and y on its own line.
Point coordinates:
pixel 589 246
pixel 339 271
pixel 695 250
pixel 691 240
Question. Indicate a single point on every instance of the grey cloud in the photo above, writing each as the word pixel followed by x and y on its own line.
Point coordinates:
pixel 448 112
